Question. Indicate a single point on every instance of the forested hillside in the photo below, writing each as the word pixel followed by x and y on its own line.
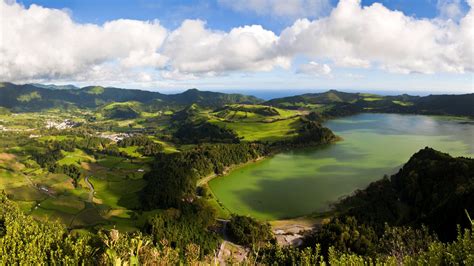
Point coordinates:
pixel 432 188
pixel 335 103
pixel 33 97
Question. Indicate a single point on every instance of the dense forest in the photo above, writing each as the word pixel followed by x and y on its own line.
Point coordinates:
pixel 173 178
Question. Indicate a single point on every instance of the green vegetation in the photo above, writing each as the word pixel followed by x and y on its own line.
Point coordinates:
pixel 403 103
pixel 432 188
pixel 75 157
pixel 121 112
pixel 258 131
pixel 188 226
pixel 179 172
pixel 105 176
pixel 25 240
pixel 331 103
pixel 247 231
pixel 29 97
pixel 19 97
pixel 95 90
pixel 262 113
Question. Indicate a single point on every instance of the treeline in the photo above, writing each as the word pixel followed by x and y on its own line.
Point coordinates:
pixel 173 177
pixel 310 132
pixel 342 109
pixel 204 132
pixel 147 147
pixel 313 133
pixel 190 127
pixel 49 158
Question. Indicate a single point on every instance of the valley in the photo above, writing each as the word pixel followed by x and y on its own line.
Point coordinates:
pixel 175 167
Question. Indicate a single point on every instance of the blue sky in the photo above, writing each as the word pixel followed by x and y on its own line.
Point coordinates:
pixel 316 63
pixel 172 12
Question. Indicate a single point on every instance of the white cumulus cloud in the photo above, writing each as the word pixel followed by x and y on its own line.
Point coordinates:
pixel 38 43
pixel 195 49
pixel 353 35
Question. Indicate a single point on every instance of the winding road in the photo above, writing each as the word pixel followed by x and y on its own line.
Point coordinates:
pixel 91 187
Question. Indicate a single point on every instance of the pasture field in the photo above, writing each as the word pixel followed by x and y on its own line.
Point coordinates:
pixel 261 131
pixel 372 99
pixel 75 157
pixel 46 195
pixel 252 113
pixel 131 151
pixel 117 194
pixel 403 103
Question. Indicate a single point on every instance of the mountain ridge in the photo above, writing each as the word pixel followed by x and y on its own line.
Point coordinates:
pixel 29 97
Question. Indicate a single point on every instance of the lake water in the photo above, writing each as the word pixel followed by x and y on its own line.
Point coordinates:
pixel 300 182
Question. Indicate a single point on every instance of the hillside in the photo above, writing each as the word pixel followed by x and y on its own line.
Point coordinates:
pixel 432 188
pixel 37 97
pixel 335 103
pixel 328 97
pixel 34 98
pixel 254 112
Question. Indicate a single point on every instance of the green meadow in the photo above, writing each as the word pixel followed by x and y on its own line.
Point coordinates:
pixel 75 157
pixel 263 131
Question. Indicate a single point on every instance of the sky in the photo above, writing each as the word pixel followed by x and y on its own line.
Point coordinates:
pixel 423 46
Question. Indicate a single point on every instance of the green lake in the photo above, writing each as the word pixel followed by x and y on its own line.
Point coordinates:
pixel 304 181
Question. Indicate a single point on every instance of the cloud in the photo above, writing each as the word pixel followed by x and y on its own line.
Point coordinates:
pixel 280 8
pixel 353 35
pixel 39 43
pixel 196 49
pixel 450 9
pixel 314 68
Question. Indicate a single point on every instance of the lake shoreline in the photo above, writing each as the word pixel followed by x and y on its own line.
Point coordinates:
pixel 204 182
pixel 373 145
pixel 228 170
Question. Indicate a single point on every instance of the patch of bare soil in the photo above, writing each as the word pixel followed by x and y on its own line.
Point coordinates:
pixel 290 232
pixel 7 156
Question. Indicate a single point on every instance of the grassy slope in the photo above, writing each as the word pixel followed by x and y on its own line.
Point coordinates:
pixel 253 131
